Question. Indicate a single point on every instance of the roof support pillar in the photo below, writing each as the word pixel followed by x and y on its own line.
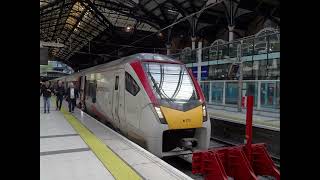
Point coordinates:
pixel 199 60
pixel 168 46
pixel 231 33
pixel 193 22
pixel 193 43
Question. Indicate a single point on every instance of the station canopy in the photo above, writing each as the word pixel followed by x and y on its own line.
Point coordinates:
pixel 98 31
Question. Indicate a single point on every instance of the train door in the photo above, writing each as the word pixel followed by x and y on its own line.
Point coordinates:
pixel 115 100
pixel 121 111
pixel 132 105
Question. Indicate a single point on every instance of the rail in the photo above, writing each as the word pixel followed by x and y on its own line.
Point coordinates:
pixel 251 45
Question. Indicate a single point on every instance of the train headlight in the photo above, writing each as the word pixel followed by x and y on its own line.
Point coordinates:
pixel 204 112
pixel 160 115
pixel 158 110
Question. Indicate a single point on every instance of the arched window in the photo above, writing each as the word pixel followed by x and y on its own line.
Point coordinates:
pixel 216 50
pixel 267 40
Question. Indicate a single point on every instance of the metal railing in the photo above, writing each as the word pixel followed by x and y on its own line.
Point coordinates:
pixel 225 93
pixel 251 45
pixel 254 57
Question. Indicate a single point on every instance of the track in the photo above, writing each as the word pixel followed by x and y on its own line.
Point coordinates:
pixel 231 133
pixel 275 159
pixel 185 166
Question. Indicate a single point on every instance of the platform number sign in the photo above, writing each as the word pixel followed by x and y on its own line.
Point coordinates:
pixel 204 72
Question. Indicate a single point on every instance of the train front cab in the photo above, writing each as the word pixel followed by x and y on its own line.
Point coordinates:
pixel 176 119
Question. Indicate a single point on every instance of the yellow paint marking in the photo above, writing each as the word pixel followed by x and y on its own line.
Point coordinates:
pixel 118 168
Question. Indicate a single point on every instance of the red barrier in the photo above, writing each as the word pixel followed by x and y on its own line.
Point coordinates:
pixel 221 163
pixel 244 162
pixel 262 162
pixel 210 164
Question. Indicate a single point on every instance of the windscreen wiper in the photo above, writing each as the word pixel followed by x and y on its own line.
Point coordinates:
pixel 158 90
pixel 155 85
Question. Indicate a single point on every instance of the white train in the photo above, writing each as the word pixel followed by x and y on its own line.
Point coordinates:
pixel 150 98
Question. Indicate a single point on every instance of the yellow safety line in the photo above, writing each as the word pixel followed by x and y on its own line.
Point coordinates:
pixel 118 168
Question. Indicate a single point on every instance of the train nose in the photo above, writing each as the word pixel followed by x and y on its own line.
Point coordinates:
pixel 177 119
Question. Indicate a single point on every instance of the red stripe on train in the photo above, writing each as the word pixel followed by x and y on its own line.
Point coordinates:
pixel 138 69
pixel 197 86
pixel 100 115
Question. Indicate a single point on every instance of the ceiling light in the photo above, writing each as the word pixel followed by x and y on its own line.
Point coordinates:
pixel 172 11
pixel 128 29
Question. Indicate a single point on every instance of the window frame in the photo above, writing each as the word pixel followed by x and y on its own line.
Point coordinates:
pixel 132 82
pixel 116 83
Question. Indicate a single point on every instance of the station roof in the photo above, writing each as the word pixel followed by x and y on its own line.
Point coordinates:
pixel 93 31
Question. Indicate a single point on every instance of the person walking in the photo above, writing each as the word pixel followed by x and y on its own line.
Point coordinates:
pixel 46 93
pixel 72 95
pixel 59 91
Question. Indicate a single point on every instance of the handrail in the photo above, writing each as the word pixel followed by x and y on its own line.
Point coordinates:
pixel 232 42
pixel 217 93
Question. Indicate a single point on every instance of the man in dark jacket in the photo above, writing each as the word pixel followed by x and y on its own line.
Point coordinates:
pixel 72 94
pixel 46 93
pixel 59 91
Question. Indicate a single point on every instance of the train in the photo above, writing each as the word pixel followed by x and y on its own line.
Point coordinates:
pixel 151 99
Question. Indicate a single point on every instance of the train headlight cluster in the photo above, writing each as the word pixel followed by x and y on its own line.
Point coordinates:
pixel 160 115
pixel 159 112
pixel 204 112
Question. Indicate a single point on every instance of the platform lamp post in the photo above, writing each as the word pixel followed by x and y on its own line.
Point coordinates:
pixel 240 85
pixel 248 137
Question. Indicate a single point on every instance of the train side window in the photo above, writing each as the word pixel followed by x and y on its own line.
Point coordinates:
pixel 131 85
pixel 116 86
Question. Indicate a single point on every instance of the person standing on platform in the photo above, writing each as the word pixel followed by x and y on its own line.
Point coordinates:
pixel 46 93
pixel 59 94
pixel 72 95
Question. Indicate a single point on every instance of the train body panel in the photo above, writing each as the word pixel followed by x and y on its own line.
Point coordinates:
pixel 154 102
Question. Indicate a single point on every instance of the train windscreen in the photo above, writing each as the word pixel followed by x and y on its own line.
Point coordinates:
pixel 170 82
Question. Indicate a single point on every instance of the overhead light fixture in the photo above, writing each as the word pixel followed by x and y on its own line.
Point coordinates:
pixel 51 44
pixel 172 11
pixel 128 28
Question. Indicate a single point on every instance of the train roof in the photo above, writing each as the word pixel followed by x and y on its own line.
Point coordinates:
pixel 127 59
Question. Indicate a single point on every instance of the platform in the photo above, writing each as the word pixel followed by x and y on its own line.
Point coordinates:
pixel 267 122
pixel 76 146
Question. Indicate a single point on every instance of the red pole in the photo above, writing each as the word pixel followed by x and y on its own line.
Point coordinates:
pixel 249 126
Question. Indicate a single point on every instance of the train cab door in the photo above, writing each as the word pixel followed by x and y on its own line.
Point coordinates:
pixel 132 103
pixel 117 99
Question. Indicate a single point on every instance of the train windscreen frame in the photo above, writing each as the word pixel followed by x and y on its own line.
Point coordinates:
pixel 170 82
